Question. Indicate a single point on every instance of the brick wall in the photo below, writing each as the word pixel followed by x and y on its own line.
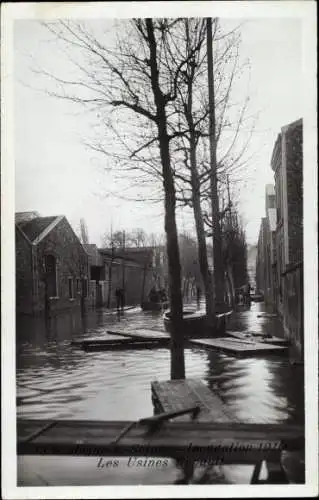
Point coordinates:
pixel 134 276
pixel 24 277
pixel 72 262
pixel 293 307
pixel 294 151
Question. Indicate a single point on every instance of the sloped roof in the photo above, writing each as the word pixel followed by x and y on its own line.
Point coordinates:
pixel 35 227
pixel 25 216
pixel 139 255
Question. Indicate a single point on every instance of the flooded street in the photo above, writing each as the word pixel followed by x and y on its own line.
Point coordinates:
pixel 57 380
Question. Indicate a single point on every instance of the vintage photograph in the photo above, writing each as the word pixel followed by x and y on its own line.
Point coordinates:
pixel 159 228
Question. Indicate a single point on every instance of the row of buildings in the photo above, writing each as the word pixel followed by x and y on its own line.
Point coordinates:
pixel 279 263
pixel 55 271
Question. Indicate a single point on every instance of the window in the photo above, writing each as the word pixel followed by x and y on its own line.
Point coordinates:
pixel 78 285
pixel 71 290
pixel 51 277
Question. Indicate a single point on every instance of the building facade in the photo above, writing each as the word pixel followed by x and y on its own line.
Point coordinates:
pixel 97 274
pixel 136 270
pixel 266 250
pixel 287 164
pixel 51 265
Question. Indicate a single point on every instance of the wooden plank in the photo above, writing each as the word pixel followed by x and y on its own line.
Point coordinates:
pixel 133 344
pixel 141 333
pixel 174 395
pixel 254 338
pixel 237 442
pixel 266 315
pixel 236 346
pixel 109 340
pixel 162 417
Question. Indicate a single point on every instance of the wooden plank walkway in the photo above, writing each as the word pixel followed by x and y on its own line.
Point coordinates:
pixel 109 339
pixel 175 394
pixel 254 337
pixel 171 439
pixel 119 345
pixel 140 333
pixel 125 339
pixel 240 347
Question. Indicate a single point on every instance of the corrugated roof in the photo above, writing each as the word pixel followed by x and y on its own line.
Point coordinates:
pixel 33 228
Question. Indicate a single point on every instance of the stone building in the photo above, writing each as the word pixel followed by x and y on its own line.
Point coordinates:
pixel 51 265
pixel 287 164
pixel 266 251
pixel 98 276
pixel 134 269
pixel 251 264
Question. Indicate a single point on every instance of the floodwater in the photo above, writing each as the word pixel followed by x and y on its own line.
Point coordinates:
pixel 57 380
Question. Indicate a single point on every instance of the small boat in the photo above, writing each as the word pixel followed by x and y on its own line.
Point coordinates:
pixel 195 324
pixel 154 306
pixel 256 297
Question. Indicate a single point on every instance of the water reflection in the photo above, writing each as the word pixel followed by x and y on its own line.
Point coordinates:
pixel 57 380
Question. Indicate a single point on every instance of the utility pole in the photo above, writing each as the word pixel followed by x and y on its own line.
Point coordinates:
pixel 123 262
pixel 110 269
pixel 217 243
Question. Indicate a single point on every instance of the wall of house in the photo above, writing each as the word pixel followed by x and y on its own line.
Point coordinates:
pixel 71 263
pixel 288 165
pixel 293 307
pixel 24 275
pixel 134 276
pixel 292 275
pixel 98 293
pixel 294 153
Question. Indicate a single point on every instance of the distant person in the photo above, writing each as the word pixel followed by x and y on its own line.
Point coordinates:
pixel 247 294
pixel 153 296
pixel 120 299
pixel 163 295
pixel 198 296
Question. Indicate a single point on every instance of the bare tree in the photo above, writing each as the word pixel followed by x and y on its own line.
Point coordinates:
pixel 130 83
pixel 84 232
pixel 194 37
pixel 131 86
pixel 113 239
pixel 199 179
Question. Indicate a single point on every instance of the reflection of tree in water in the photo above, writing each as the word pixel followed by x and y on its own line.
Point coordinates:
pixel 288 382
pixel 264 388
pixel 222 369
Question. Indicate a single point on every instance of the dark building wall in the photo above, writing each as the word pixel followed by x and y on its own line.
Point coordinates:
pixel 134 276
pixel 294 152
pixel 71 267
pixel 287 163
pixel 24 276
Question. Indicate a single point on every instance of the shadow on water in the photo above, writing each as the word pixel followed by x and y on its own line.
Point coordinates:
pixel 58 380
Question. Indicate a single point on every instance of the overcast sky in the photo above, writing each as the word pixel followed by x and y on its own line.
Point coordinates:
pixel 56 174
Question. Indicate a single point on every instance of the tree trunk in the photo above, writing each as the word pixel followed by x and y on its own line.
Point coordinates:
pixel 143 285
pixel 199 223
pixel 231 285
pixel 174 267
pixel 200 231
pixel 109 285
pixel 217 242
